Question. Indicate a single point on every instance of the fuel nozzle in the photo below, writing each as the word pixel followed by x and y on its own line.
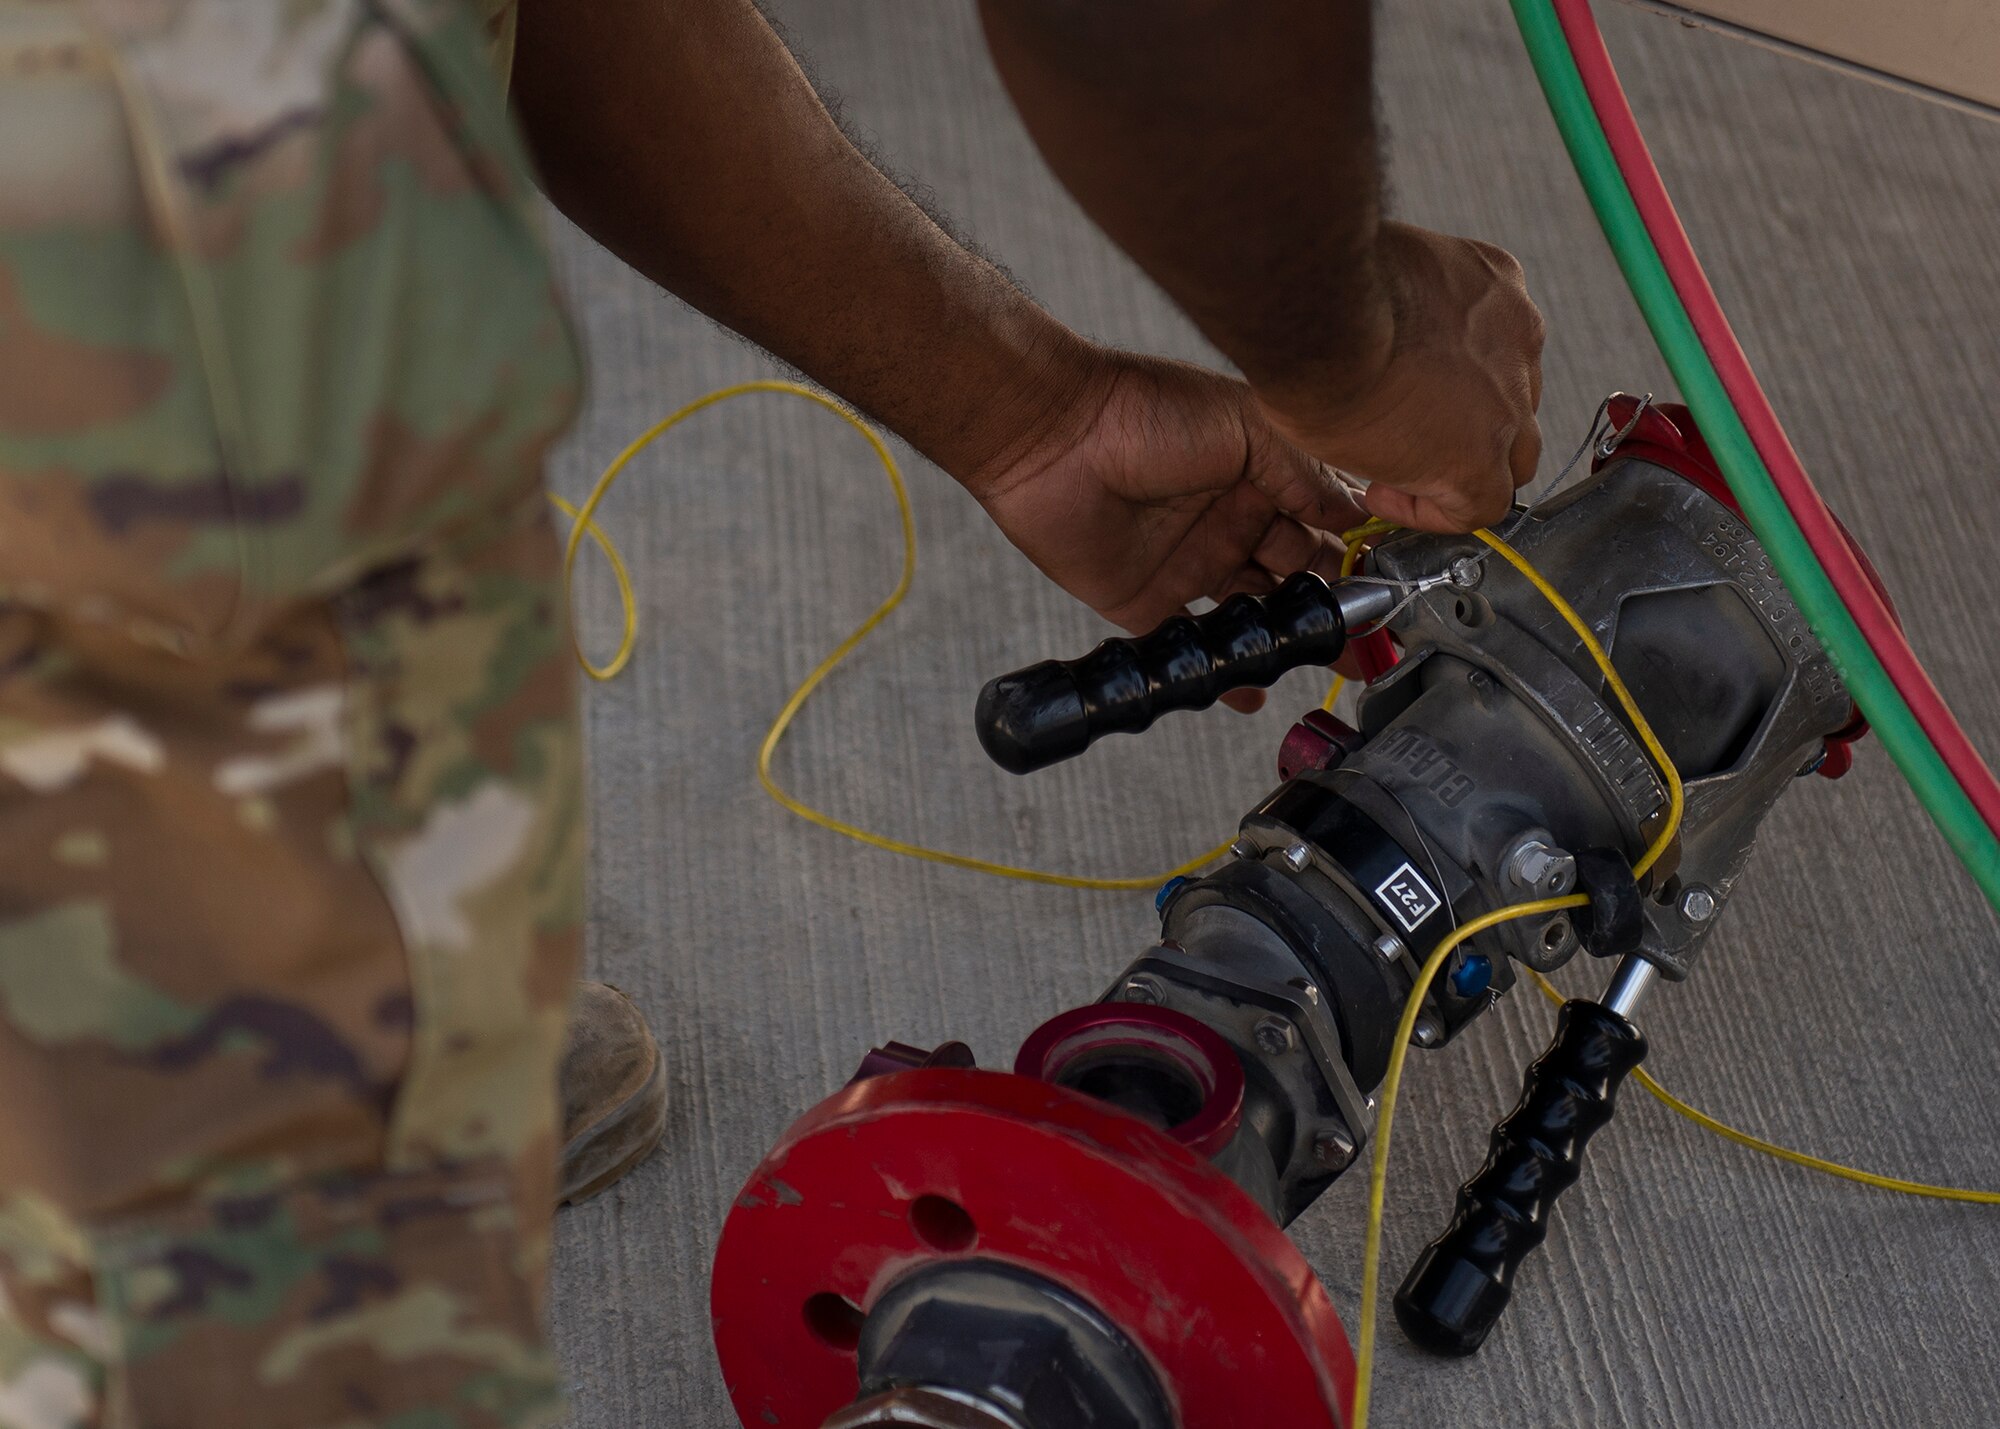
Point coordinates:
pixel 1055 710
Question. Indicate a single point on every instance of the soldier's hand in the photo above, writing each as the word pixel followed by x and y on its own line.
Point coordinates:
pixel 1161 483
pixel 1445 431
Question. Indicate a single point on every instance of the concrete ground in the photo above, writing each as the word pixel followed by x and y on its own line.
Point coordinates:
pixel 1846 1005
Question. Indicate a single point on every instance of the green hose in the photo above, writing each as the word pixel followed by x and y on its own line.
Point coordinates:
pixel 1797 566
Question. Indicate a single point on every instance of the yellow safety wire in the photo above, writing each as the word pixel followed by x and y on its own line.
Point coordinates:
pixel 1372 1247
pixel 1617 686
pixel 583 524
pixel 1784 1153
pixel 1364 1356
pixel 1378 1170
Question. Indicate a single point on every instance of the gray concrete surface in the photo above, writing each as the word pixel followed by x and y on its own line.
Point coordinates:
pixel 1847 1005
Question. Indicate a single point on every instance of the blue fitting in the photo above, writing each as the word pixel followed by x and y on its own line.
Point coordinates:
pixel 1471 977
pixel 1167 891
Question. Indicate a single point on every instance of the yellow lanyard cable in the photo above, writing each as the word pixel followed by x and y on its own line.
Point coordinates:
pixel 1364 1357
pixel 1676 804
pixel 1784 1153
pixel 583 524
pixel 1378 1168
pixel 1665 765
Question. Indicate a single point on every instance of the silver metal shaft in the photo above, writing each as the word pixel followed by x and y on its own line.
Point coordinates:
pixel 1362 604
pixel 1629 985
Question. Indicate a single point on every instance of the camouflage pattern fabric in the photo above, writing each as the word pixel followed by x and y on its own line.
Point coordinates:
pixel 290 820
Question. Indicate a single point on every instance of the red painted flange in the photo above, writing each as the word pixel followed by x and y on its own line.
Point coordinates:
pixel 901 1170
pixel 1195 1048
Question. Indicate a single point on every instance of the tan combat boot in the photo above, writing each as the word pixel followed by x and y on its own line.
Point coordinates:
pixel 614 1093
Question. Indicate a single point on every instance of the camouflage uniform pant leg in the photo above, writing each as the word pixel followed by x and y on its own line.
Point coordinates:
pixel 279 1033
pixel 290 826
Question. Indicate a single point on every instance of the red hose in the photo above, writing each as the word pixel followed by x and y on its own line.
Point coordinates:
pixel 1822 533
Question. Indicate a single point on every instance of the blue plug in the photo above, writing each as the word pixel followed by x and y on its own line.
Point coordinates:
pixel 1471 977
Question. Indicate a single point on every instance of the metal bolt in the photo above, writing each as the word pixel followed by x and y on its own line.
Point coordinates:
pixel 1698 904
pixel 1144 988
pixel 1465 572
pixel 1427 1031
pixel 1389 948
pixel 1296 857
pixel 1243 848
pixel 1275 1035
pixel 1334 1150
pixel 1529 862
pixel 1480 681
pixel 1306 988
pixel 1541 867
pixel 1371 1103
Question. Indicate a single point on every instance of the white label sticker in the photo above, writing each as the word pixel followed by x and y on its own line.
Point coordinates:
pixel 1410 898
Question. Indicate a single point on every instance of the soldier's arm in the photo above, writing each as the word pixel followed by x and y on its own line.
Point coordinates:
pixel 1229 146
pixel 685 138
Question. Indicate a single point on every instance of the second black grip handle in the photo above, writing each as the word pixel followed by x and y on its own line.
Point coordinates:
pixel 1051 711
pixel 1456 1291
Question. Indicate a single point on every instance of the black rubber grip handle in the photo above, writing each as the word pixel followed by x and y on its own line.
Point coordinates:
pixel 1048 712
pixel 1455 1292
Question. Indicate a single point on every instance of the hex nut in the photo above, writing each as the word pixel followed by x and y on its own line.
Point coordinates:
pixel 1144 988
pixel 1541 867
pixel 1335 1150
pixel 1530 862
pixel 1698 904
pixel 1275 1035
